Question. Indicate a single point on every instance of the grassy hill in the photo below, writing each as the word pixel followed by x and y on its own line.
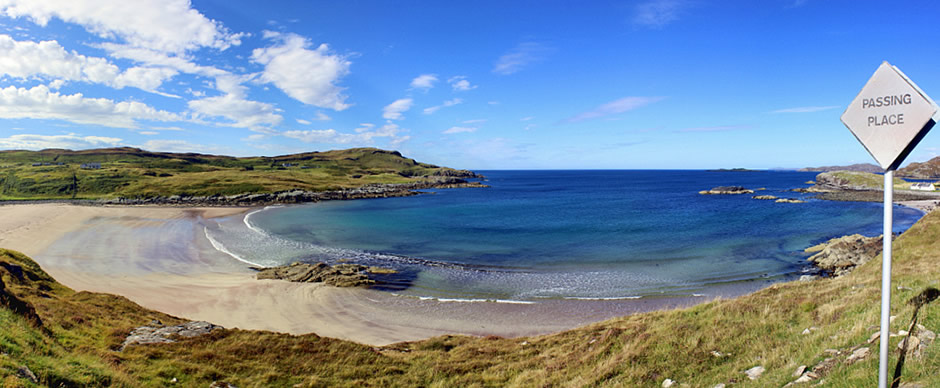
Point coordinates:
pixel 135 173
pixel 70 338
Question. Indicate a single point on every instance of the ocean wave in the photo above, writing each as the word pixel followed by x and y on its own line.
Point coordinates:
pixel 221 248
pixel 255 228
pixel 602 297
pixel 467 300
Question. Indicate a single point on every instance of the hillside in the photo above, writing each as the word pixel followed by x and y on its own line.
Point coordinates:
pixel 68 338
pixel 859 167
pixel 923 170
pixel 135 173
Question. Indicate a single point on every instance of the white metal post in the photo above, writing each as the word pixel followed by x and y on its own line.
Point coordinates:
pixel 886 280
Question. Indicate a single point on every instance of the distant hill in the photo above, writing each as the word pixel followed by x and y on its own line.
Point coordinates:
pixel 860 167
pixel 924 170
pixel 136 173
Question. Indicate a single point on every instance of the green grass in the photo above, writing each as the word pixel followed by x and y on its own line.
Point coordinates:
pixel 81 331
pixel 868 180
pixel 134 173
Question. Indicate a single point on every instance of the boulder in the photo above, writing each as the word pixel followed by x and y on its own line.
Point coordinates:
pixel 841 255
pixel 166 334
pixel 725 190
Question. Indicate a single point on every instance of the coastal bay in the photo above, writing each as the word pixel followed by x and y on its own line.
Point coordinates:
pixel 159 258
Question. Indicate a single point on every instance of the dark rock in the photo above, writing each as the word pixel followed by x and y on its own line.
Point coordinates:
pixel 340 275
pixel 726 190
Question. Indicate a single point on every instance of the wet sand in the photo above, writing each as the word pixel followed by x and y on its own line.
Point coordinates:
pixel 160 258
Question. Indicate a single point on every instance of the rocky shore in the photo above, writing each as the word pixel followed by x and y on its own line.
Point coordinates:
pixel 340 275
pixel 296 196
pixel 841 255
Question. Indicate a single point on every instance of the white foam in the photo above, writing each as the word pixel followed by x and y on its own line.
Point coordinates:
pixel 603 298
pixel 221 248
pixel 468 300
pixel 255 228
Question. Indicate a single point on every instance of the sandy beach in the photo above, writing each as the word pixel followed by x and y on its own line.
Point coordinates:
pixel 159 258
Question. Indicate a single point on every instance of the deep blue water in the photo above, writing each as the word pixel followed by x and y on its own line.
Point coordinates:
pixel 568 234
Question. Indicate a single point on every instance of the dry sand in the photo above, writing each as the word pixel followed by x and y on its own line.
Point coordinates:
pixel 159 258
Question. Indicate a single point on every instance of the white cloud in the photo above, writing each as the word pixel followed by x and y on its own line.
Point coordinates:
pixel 164 25
pixel 519 57
pixel 240 112
pixel 453 130
pixel 332 136
pixel 309 76
pixel 71 141
pixel 658 13
pixel 176 146
pixel 447 103
pixel 41 103
pixel 460 83
pixel 304 122
pixel 394 110
pixel 527 118
pixel 149 133
pixel 166 128
pixel 424 81
pixel 805 109
pixel 617 106
pixel 24 59
pixel 474 121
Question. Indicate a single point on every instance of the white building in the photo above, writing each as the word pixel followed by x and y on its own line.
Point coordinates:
pixel 923 186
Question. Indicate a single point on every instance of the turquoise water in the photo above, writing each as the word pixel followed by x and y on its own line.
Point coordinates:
pixel 565 234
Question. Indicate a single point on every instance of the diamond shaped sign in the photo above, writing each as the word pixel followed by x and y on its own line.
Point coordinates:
pixel 889 116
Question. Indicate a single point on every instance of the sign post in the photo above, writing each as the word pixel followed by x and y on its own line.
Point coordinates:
pixel 889 117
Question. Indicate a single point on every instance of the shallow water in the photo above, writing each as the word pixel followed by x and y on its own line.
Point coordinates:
pixel 584 235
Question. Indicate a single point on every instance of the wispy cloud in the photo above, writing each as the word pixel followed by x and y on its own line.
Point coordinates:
pixel 519 57
pixel 71 141
pixel 474 121
pixel 717 128
pixel 614 107
pixel 447 103
pixel 453 130
pixel 805 109
pixel 460 83
pixel 424 82
pixel 394 110
pixel 658 13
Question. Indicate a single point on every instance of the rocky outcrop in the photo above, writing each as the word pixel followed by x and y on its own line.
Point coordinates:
pixel 843 181
pixel 723 190
pixel 450 172
pixel 340 275
pixel 765 197
pixel 789 200
pixel 300 196
pixel 841 255
pixel 159 334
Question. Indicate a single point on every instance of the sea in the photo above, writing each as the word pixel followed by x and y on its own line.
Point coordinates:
pixel 543 235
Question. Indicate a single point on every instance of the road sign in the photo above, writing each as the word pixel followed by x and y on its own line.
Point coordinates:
pixel 889 116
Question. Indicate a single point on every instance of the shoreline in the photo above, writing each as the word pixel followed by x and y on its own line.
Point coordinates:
pixel 160 258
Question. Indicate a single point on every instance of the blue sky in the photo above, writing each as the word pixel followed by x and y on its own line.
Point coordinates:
pixel 480 85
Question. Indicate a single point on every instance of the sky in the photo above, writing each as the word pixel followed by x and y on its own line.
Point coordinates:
pixel 650 84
